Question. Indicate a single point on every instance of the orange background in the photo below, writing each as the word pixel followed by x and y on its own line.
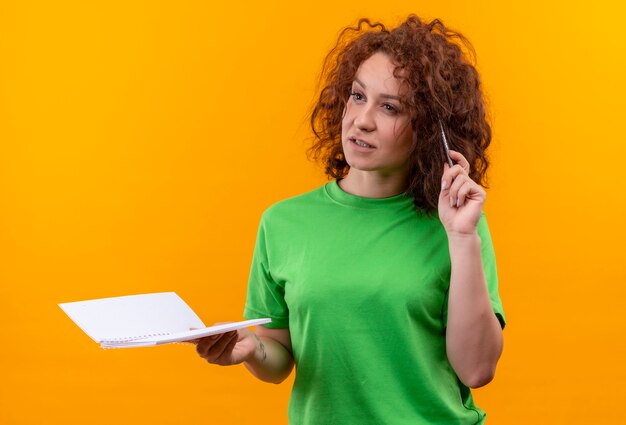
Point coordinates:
pixel 140 141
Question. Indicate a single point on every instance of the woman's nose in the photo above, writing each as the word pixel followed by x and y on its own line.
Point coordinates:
pixel 364 119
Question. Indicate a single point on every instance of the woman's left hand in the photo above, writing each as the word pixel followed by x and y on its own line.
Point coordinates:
pixel 461 199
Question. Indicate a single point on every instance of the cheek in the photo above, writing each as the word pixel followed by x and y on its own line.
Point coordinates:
pixel 345 116
pixel 403 134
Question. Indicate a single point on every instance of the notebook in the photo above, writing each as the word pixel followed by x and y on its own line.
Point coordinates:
pixel 144 320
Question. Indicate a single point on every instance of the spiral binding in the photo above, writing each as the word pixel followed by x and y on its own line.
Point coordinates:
pixel 132 338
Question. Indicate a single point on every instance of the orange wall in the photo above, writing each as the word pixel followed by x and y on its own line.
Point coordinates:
pixel 140 141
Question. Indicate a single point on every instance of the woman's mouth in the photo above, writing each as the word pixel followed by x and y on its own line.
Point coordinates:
pixel 361 143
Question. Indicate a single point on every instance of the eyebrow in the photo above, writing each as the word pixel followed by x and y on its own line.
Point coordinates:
pixel 383 95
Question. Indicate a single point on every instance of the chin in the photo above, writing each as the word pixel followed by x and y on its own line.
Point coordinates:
pixel 358 163
pixel 362 167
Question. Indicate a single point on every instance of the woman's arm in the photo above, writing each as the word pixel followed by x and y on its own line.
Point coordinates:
pixel 273 359
pixel 266 353
pixel 473 334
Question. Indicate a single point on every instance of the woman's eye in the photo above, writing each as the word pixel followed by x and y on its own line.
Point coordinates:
pixel 390 108
pixel 356 95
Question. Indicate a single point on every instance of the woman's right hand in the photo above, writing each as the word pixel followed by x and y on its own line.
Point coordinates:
pixel 229 348
pixel 266 353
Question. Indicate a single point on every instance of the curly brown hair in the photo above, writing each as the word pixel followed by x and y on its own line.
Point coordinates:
pixel 443 86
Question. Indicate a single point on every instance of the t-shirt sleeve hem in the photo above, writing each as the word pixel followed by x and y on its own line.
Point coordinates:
pixel 501 319
pixel 276 323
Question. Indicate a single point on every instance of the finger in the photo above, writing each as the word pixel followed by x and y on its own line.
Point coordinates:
pixel 460 160
pixel 464 192
pixel 225 358
pixel 454 189
pixel 450 174
pixel 222 350
pixel 204 344
pixel 218 348
pixel 444 182
pixel 471 191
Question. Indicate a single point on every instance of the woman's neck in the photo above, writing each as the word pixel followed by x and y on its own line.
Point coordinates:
pixel 373 185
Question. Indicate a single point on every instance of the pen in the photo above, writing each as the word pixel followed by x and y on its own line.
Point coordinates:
pixel 445 145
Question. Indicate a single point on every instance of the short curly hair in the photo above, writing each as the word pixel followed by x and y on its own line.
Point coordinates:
pixel 444 86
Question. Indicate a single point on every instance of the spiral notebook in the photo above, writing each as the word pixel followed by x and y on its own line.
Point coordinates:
pixel 143 320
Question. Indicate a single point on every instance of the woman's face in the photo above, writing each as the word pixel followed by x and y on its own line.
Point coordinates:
pixel 376 132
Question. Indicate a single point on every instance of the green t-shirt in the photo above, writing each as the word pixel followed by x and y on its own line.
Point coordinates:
pixel 362 285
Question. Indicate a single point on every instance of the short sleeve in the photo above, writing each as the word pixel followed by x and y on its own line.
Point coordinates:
pixel 491 273
pixel 266 297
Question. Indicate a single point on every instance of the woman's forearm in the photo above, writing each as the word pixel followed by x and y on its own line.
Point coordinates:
pixel 271 361
pixel 473 335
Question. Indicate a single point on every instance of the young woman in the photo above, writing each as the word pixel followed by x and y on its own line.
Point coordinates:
pixel 381 284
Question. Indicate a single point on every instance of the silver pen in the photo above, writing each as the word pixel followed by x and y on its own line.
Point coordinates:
pixel 445 145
